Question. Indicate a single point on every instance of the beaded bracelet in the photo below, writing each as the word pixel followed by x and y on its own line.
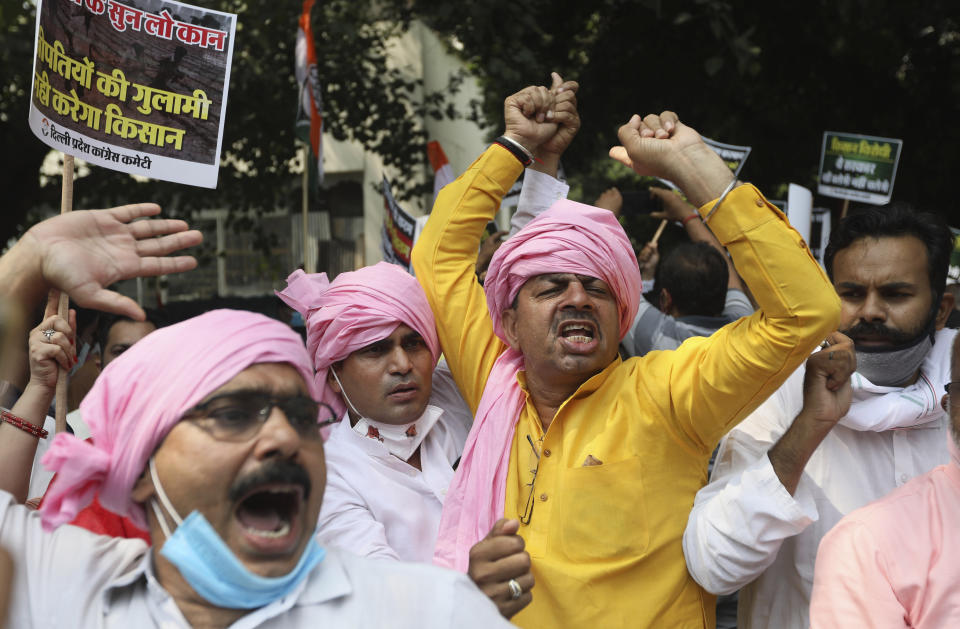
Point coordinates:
pixel 24 425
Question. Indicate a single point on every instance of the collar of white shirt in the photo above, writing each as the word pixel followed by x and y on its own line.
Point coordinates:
pixel 371 446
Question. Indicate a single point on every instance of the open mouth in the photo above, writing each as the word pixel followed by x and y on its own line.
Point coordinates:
pixel 577 331
pixel 269 512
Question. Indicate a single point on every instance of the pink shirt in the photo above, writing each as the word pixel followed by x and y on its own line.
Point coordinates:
pixel 895 562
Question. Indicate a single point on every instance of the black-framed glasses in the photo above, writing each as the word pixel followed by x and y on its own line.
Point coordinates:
pixel 239 415
pixel 531 500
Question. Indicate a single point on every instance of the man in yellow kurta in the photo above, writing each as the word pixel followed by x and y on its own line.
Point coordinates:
pixel 601 457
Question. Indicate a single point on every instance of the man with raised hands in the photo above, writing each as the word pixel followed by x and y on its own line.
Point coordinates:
pixel 596 460
pixel 207 434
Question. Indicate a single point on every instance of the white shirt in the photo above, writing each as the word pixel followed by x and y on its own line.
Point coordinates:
pixel 73 578
pixel 376 505
pixel 746 531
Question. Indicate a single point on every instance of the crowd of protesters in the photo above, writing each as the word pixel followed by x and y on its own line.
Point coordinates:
pixel 540 427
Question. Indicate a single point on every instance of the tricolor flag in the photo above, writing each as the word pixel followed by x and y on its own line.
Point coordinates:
pixel 442 173
pixel 309 118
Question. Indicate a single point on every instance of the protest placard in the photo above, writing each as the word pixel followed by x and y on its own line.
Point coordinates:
pixel 396 236
pixel 733 155
pixel 138 86
pixel 858 167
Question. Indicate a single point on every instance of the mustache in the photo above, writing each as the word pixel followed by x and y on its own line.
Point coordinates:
pixel 280 472
pixel 878 330
pixel 575 315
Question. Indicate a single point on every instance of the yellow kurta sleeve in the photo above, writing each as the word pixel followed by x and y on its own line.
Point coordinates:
pixel 444 260
pixel 712 383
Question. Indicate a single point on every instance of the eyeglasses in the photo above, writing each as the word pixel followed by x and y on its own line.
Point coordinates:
pixel 239 415
pixel 528 509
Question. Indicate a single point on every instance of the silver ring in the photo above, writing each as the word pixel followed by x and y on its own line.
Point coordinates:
pixel 49 333
pixel 515 590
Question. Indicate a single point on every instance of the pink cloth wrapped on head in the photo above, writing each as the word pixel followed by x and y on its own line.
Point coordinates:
pixel 144 392
pixel 354 310
pixel 570 237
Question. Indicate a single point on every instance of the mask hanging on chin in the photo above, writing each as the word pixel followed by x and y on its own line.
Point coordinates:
pixel 894 367
pixel 401 440
pixel 211 568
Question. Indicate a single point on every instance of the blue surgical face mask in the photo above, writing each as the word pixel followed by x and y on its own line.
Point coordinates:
pixel 211 568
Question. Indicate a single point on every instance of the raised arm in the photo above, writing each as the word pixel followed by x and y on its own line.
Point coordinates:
pixel 83 252
pixel 715 382
pixel 51 346
pixel 444 257
pixel 541 188
pixel 757 497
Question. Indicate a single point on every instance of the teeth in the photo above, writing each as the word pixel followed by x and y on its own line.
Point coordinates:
pixel 580 339
pixel 283 530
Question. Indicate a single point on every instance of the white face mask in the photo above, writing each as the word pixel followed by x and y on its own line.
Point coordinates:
pixel 401 440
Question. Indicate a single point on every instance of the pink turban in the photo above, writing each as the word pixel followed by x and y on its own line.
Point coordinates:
pixel 141 394
pixel 354 310
pixel 570 237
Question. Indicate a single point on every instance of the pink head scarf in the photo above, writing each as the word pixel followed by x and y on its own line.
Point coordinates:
pixel 143 393
pixel 354 310
pixel 568 238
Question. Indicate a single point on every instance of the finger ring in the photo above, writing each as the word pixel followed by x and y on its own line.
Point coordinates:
pixel 49 333
pixel 515 590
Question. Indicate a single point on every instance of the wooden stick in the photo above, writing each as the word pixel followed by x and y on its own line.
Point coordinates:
pixel 843 210
pixel 63 308
pixel 656 236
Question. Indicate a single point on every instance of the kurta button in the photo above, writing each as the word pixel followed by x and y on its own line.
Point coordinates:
pixel 546 453
pixel 759 202
pixel 903 478
pixel 543 497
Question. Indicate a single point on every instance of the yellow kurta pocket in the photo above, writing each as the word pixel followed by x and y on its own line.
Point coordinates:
pixel 603 511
